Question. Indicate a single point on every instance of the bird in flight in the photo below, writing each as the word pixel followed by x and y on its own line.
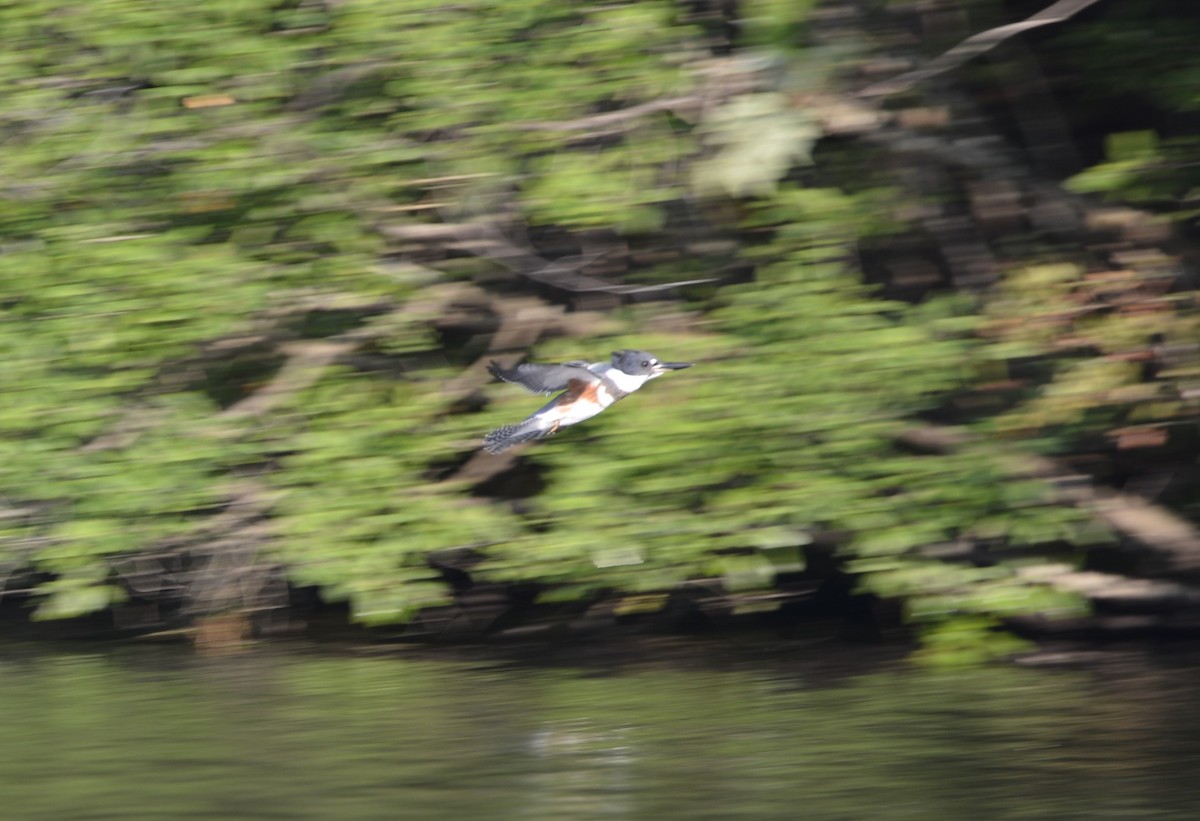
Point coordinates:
pixel 587 388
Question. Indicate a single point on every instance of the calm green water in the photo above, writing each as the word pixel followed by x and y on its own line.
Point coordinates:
pixel 133 732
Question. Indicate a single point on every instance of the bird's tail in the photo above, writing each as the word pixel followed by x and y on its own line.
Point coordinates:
pixel 502 439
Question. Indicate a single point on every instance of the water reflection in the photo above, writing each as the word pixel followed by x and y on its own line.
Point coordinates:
pixel 136 732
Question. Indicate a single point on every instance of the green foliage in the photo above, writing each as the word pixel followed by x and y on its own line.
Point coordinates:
pixel 787 428
pixel 359 517
pixel 1139 47
pixel 1056 313
pixel 180 178
pixel 1139 52
pixel 1139 168
pixel 774 22
pixel 192 208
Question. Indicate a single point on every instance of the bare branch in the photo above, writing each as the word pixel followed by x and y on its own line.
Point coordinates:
pixel 602 121
pixel 489 242
pixel 437 232
pixel 719 81
pixel 975 45
pixel 306 361
pixel 127 430
pixel 1159 530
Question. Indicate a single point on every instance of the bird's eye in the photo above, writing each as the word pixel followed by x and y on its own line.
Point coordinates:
pixel 645 363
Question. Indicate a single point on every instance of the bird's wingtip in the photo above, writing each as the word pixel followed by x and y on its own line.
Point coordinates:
pixel 503 438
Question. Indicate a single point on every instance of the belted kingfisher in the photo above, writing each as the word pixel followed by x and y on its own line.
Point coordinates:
pixel 588 388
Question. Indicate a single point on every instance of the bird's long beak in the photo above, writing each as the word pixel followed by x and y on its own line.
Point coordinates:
pixel 663 367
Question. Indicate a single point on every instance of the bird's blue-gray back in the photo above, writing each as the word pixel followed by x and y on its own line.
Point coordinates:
pixel 543 379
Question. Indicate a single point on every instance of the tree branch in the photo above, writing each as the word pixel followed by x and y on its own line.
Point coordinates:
pixel 611 118
pixel 719 81
pixel 975 45
pixel 305 363
pixel 1159 530
pixel 489 242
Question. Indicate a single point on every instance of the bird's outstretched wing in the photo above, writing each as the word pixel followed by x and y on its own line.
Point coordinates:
pixel 544 379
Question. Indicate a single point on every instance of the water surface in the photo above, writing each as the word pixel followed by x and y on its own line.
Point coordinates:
pixel 152 732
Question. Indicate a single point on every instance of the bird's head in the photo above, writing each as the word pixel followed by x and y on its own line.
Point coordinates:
pixel 641 363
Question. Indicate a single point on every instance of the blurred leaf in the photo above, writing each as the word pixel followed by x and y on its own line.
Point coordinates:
pixel 756 139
